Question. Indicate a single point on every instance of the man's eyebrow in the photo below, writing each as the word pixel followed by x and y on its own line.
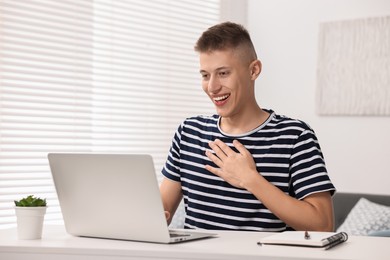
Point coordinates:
pixel 217 69
pixel 222 68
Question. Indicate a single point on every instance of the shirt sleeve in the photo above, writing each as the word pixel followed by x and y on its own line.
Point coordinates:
pixel 307 167
pixel 171 169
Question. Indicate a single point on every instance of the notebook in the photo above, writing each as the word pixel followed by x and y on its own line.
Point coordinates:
pixel 325 240
pixel 113 196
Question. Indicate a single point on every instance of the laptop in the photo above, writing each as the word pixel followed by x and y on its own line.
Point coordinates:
pixel 114 196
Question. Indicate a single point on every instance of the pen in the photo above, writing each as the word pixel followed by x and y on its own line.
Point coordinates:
pixel 307 235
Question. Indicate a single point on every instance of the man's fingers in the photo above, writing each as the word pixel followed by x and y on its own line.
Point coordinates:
pixel 240 147
pixel 213 158
pixel 218 151
pixel 167 215
pixel 214 170
pixel 221 149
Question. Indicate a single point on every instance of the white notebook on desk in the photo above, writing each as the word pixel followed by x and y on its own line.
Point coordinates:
pixel 113 196
pixel 324 240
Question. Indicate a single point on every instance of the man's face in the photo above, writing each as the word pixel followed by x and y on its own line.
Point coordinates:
pixel 226 79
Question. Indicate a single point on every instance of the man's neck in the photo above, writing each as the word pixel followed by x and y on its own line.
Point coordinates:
pixel 244 123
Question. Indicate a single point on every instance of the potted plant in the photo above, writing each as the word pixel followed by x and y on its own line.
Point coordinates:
pixel 30 212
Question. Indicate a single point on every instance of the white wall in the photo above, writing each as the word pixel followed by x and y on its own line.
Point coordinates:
pixel 356 149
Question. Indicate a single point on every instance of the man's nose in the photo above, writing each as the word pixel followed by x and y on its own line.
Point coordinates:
pixel 214 85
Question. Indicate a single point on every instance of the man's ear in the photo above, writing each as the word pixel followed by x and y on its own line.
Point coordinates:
pixel 255 69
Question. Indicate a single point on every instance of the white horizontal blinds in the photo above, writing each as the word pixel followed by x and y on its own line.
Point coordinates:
pixel 146 78
pixel 92 76
pixel 46 87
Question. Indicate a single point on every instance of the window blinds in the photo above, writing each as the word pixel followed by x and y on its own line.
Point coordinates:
pixel 93 76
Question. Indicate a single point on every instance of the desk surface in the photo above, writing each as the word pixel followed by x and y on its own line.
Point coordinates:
pixel 57 244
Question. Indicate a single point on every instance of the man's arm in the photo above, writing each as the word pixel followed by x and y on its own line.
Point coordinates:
pixel 171 196
pixel 314 212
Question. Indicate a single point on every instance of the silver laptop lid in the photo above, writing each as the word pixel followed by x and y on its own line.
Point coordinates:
pixel 109 196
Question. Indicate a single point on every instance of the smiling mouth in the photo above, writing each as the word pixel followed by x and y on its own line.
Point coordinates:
pixel 221 98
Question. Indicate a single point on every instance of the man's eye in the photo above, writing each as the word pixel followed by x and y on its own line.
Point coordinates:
pixel 205 76
pixel 223 73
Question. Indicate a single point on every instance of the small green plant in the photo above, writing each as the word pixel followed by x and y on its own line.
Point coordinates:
pixel 30 201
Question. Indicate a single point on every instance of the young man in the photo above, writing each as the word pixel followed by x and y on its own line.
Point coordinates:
pixel 246 168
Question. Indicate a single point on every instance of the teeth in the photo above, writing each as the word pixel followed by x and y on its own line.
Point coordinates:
pixel 221 98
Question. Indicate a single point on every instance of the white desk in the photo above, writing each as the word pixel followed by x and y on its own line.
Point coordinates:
pixel 56 244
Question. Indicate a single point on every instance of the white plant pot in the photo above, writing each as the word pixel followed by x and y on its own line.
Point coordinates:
pixel 30 222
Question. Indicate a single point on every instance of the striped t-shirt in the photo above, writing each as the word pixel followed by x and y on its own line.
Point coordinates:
pixel 286 153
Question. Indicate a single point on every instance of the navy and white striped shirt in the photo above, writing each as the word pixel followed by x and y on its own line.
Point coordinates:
pixel 286 152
